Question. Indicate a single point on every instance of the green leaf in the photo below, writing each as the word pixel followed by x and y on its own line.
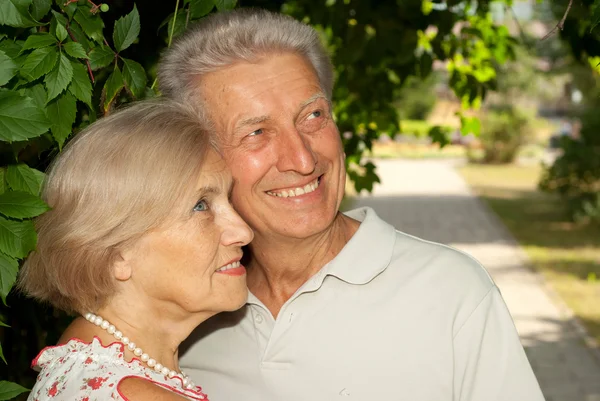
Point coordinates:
pixel 4 359
pixel 81 86
pixel 37 93
pixel 167 20
pixel 39 8
pixel 17 238
pixel 135 77
pixel 3 185
pixel 38 40
pixel 2 324
pixel 21 205
pixel 126 30
pixel 200 8
pixel 8 68
pixel 9 390
pixel 79 36
pixel 62 112
pixel 440 135
pixel 15 13
pixel 91 24
pixel 20 118
pixel 75 50
pixel 59 78
pixel 179 23
pixel 112 87
pixel 470 125
pixel 21 177
pixel 225 4
pixel 11 48
pixel 68 8
pixel 39 62
pixel 595 18
pixel 57 19
pixel 100 57
pixel 9 268
pixel 61 32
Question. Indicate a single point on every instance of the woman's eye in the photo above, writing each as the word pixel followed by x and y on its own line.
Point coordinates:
pixel 201 206
pixel 257 132
pixel 315 114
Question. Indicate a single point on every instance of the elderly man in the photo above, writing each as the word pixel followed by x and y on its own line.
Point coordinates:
pixel 341 306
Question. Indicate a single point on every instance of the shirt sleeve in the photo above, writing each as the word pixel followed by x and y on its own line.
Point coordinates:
pixel 489 361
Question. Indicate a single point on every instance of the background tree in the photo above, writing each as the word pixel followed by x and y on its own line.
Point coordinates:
pixel 575 174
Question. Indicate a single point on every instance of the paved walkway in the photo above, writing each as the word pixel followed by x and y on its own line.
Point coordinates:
pixel 430 200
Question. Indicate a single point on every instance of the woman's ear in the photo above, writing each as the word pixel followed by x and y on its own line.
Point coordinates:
pixel 122 265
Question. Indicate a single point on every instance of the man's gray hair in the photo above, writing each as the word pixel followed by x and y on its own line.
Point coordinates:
pixel 225 38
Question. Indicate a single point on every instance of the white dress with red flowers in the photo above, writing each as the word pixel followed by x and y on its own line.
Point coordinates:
pixel 79 371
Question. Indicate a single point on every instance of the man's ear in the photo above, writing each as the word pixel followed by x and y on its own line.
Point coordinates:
pixel 122 265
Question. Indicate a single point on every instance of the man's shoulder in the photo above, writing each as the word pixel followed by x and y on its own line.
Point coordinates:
pixel 407 259
pixel 441 266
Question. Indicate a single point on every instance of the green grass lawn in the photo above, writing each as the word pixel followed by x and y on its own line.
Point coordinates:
pixel 567 254
pixel 394 150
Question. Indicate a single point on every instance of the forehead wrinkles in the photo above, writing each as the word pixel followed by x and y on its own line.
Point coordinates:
pixel 216 174
pixel 266 89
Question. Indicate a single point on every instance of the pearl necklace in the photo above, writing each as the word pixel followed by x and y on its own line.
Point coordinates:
pixel 137 351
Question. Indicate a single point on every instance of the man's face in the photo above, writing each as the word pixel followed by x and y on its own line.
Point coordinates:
pixel 276 133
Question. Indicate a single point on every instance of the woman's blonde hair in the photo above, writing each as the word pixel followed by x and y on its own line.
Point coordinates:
pixel 116 180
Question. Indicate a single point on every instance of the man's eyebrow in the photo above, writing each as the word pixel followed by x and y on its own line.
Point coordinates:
pixel 250 121
pixel 313 99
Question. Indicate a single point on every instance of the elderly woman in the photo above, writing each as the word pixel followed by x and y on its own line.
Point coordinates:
pixel 141 242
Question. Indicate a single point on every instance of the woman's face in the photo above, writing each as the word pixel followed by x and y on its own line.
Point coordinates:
pixel 194 262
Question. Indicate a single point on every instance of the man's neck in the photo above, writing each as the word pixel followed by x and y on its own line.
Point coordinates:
pixel 279 267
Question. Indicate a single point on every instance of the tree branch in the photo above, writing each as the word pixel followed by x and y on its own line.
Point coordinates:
pixel 517 23
pixel 561 23
pixel 87 61
pixel 93 9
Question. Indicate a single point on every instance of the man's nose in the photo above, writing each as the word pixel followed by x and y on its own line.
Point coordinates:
pixel 295 153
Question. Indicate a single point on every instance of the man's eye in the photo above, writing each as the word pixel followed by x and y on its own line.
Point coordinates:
pixel 257 132
pixel 315 114
pixel 201 206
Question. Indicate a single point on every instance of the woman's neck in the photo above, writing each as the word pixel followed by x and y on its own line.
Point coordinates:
pixel 157 332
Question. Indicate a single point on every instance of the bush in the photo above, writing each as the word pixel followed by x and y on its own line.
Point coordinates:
pixel 503 131
pixel 417 97
pixel 575 174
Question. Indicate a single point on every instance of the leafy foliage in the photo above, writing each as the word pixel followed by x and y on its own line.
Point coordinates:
pixel 575 174
pixel 64 64
pixel 504 130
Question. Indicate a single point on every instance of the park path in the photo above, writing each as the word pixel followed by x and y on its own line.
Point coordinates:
pixel 430 199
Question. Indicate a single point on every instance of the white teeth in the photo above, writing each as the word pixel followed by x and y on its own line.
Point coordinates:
pixel 229 266
pixel 308 188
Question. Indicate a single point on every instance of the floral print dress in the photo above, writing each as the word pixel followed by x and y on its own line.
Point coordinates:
pixel 79 371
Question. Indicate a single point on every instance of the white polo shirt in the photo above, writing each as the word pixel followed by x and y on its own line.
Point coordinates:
pixel 392 317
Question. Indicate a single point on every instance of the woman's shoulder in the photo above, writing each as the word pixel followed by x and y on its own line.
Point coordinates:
pixel 79 370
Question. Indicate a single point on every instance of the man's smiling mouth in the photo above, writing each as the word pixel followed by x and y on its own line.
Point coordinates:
pixel 292 192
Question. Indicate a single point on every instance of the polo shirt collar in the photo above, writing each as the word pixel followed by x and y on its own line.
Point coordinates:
pixel 364 257
pixel 369 251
